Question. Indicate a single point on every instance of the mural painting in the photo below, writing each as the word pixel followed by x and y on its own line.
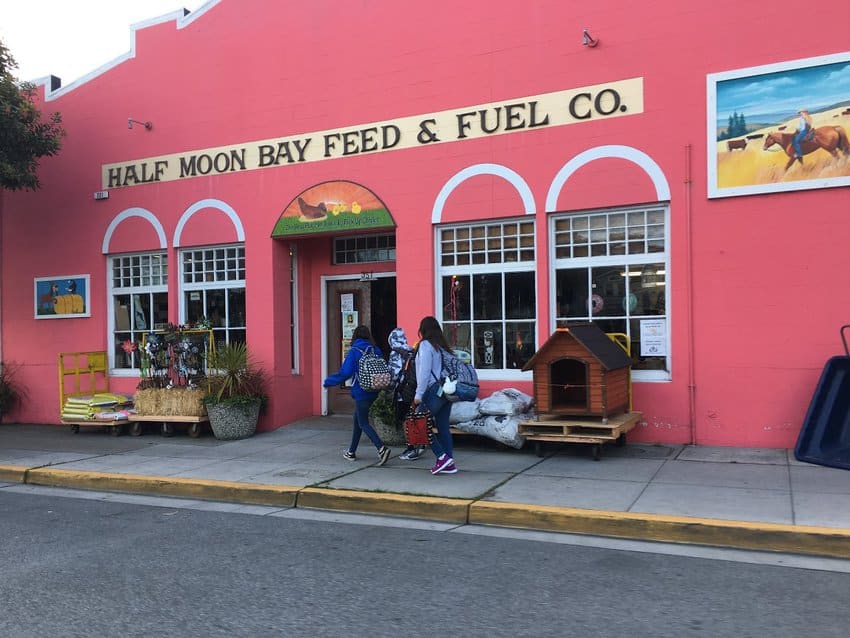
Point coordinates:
pixel 779 127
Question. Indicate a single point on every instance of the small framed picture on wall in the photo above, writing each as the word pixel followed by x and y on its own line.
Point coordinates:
pixel 62 297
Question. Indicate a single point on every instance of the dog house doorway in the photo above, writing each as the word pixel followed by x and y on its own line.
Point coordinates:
pixel 374 302
pixel 570 385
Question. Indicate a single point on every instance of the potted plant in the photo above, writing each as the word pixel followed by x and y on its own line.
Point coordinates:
pixel 10 392
pixel 382 419
pixel 235 392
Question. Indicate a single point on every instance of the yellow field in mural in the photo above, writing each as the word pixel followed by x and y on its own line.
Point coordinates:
pixel 746 162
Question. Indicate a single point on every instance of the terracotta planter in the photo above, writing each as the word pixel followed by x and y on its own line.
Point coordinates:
pixel 231 422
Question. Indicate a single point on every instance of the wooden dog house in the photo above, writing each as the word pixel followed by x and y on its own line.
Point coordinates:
pixel 580 371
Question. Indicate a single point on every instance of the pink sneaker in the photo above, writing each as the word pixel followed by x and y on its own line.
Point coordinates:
pixel 449 469
pixel 442 464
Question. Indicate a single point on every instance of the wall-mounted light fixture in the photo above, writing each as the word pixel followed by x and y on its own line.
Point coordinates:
pixel 130 121
pixel 587 39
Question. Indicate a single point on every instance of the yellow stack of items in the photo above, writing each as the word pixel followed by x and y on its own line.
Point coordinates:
pixel 103 406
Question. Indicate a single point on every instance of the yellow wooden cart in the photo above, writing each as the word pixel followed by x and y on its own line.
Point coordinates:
pixel 83 374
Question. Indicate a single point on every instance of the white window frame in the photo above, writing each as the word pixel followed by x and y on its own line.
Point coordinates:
pixel 556 264
pixel 205 286
pixel 113 291
pixel 509 374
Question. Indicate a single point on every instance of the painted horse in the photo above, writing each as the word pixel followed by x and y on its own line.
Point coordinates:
pixel 829 138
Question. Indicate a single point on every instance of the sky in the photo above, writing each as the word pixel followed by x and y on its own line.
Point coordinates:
pixel 70 38
pixel 785 91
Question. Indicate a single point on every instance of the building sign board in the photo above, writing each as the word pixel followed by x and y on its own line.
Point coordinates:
pixel 571 106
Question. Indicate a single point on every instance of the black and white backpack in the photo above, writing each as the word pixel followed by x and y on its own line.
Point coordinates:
pixel 373 373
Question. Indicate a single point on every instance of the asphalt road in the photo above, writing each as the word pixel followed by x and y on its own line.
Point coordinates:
pixel 75 567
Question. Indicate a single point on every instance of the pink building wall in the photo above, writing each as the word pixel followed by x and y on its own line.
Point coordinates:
pixel 757 283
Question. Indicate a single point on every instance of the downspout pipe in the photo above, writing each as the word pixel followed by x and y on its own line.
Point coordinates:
pixel 689 258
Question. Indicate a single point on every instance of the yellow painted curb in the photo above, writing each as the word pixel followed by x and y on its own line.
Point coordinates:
pixel 820 541
pixel 13 473
pixel 277 495
pixel 447 510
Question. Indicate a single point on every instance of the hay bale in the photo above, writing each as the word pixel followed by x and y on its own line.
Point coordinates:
pixel 170 402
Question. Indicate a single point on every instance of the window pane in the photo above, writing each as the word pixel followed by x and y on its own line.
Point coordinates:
pixel 458 336
pixel 236 305
pixel 571 292
pixel 456 298
pixel 488 345
pixel 141 312
pixel 519 343
pixel 520 294
pixel 193 300
pixel 640 362
pixel 216 309
pixel 487 297
pixel 649 290
pixel 160 309
pixel 609 283
pixel 123 359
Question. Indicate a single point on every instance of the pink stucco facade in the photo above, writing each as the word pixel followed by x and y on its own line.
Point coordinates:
pixel 756 283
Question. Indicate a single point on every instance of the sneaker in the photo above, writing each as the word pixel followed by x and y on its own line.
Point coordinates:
pixel 384 454
pixel 451 468
pixel 412 454
pixel 442 463
pixel 349 456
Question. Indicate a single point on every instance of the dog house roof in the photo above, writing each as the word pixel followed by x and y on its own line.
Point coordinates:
pixel 591 337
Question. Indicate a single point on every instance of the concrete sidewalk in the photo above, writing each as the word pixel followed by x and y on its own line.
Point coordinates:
pixel 730 497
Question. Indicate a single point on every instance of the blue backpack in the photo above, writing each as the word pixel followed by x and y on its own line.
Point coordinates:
pixel 459 378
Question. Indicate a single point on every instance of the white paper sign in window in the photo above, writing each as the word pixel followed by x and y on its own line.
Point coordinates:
pixel 653 338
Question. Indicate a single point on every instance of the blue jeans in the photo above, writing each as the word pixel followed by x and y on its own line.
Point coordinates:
pixel 798 138
pixel 361 424
pixel 440 408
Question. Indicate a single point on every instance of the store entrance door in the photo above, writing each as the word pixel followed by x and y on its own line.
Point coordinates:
pixel 352 302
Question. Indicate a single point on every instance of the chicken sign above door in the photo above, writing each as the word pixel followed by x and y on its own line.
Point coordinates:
pixel 333 207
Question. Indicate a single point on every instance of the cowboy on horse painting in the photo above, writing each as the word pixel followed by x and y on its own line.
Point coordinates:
pixel 807 139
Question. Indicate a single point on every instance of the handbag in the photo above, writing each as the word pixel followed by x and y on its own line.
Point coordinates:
pixel 417 427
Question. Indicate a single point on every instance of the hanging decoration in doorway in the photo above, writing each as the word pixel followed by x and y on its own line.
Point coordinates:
pixel 333 207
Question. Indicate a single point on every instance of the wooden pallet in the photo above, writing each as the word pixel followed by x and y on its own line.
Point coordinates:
pixel 578 430
pixel 167 422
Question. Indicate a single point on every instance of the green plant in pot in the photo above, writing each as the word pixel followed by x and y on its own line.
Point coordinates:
pixel 235 392
pixel 382 419
pixel 11 393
